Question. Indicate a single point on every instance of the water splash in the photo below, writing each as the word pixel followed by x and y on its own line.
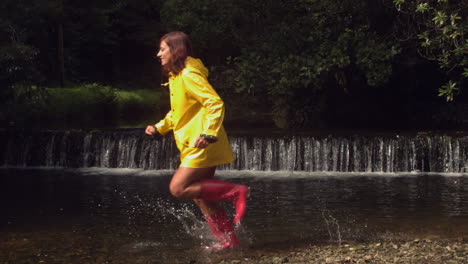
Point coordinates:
pixel 333 227
pixel 158 211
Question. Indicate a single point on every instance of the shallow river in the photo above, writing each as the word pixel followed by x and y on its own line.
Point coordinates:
pixel 127 216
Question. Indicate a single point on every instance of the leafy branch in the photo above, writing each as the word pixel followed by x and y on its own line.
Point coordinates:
pixel 441 28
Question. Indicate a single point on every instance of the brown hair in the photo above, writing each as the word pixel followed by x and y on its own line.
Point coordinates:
pixel 180 47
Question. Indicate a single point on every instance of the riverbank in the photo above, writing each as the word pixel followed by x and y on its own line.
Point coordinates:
pixel 41 247
pixel 417 251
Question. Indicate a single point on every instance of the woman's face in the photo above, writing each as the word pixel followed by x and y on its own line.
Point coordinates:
pixel 164 53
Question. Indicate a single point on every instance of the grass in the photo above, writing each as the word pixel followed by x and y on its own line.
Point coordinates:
pixel 138 108
pixel 91 106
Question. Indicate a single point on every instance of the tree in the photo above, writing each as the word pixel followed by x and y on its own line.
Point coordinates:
pixel 18 58
pixel 289 52
pixel 440 27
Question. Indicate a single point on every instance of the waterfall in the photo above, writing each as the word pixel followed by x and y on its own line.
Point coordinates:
pixel 134 149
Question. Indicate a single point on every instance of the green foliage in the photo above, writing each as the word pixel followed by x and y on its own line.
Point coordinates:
pixel 98 35
pixel 448 90
pixel 99 106
pixel 18 69
pixel 212 24
pixel 83 96
pixel 25 106
pixel 85 106
pixel 90 104
pixel 440 26
pixel 289 61
pixel 16 66
pixel 18 59
pixel 138 107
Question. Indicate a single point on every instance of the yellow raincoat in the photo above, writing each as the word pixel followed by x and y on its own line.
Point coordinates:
pixel 196 109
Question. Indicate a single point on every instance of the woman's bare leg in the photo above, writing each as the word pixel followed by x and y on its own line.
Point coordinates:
pixel 208 208
pixel 185 181
pixel 186 184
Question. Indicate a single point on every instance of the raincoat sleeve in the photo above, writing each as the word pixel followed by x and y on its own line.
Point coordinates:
pixel 165 125
pixel 203 92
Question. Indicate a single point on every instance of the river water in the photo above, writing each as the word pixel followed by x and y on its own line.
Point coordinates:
pixel 98 215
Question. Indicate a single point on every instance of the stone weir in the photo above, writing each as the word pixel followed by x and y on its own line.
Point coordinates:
pixel 333 153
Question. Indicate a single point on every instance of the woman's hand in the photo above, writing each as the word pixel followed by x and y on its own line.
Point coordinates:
pixel 201 143
pixel 151 130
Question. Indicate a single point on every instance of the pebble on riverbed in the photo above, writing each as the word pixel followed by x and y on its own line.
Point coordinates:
pixel 416 251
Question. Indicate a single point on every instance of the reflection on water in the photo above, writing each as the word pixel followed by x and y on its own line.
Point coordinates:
pixel 128 216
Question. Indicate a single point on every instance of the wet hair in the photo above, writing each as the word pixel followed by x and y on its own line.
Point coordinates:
pixel 180 48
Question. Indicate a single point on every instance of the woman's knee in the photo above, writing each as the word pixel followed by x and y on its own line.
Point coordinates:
pixel 177 190
pixel 184 183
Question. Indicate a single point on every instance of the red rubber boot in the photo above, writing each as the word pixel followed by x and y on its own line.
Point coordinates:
pixel 223 231
pixel 215 190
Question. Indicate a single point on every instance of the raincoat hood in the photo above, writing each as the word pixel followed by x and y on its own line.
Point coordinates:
pixel 193 64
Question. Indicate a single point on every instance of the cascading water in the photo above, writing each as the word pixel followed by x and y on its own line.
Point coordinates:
pixel 128 215
pixel 134 149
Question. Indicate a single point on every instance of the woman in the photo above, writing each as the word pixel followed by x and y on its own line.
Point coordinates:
pixel 196 118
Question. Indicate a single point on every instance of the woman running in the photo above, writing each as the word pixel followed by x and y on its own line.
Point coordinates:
pixel 196 118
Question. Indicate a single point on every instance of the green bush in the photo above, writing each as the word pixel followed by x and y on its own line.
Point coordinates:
pixel 16 66
pixel 17 74
pixel 25 105
pixel 100 106
pixel 89 105
pixel 86 106
pixel 138 107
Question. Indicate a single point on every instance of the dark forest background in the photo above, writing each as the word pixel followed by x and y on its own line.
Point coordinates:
pixel 302 64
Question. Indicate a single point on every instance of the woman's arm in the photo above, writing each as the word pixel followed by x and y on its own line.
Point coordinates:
pixel 162 127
